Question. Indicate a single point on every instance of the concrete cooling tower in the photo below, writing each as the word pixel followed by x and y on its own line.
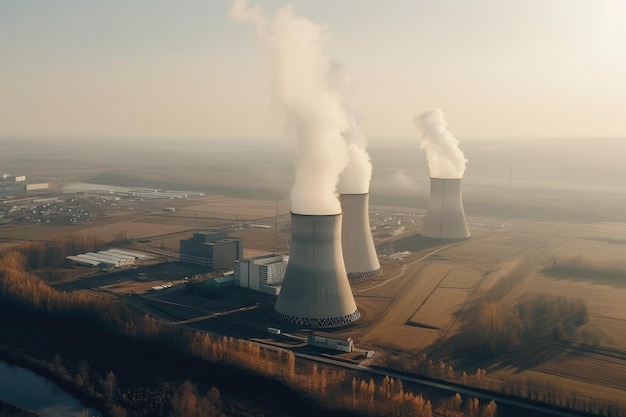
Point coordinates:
pixel 445 218
pixel 316 291
pixel 359 252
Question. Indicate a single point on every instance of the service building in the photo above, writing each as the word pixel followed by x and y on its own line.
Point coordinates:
pixel 212 249
pixel 262 273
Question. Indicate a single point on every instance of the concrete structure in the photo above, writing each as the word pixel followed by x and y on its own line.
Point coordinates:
pixel 316 291
pixel 263 273
pixel 330 341
pixel 359 252
pixel 212 249
pixel 445 218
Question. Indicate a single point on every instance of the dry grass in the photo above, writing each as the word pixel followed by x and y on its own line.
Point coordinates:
pixel 438 310
pixel 458 278
pixel 392 328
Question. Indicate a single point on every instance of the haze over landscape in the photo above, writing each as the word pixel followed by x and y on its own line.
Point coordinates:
pixel 155 69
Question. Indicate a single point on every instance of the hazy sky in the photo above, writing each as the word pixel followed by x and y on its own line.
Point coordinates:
pixel 180 69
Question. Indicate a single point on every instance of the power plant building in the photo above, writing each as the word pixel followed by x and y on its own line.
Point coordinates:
pixel 263 273
pixel 212 249
pixel 330 341
pixel 316 291
pixel 359 252
pixel 445 218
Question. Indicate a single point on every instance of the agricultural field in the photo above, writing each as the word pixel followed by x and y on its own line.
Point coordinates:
pixel 432 291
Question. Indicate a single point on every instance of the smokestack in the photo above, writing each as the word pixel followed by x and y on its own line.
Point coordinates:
pixel 316 291
pixel 445 218
pixel 359 252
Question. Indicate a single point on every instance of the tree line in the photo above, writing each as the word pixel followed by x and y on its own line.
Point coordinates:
pixel 494 327
pixel 579 267
pixel 52 253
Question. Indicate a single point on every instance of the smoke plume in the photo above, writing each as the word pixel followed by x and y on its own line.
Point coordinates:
pixel 355 178
pixel 445 159
pixel 294 48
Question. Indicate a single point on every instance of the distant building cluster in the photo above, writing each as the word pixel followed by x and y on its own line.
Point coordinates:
pixel 213 249
pixel 262 273
pixel 45 210
pixel 18 183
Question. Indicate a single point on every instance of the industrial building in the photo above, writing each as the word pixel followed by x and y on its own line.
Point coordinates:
pixel 212 249
pixel 445 218
pixel 112 258
pixel 316 291
pixel 330 341
pixel 359 252
pixel 262 273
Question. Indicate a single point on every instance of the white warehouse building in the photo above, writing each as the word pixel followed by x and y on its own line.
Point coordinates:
pixel 112 258
pixel 262 273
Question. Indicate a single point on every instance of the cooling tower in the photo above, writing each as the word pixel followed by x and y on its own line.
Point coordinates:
pixel 359 253
pixel 445 218
pixel 316 291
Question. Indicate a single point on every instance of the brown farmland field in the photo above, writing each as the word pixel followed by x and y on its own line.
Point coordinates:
pixel 437 311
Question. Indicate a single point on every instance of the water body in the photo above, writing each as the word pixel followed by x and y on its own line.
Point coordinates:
pixel 29 391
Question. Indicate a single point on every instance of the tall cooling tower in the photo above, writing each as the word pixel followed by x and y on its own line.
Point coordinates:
pixel 316 291
pixel 359 252
pixel 445 218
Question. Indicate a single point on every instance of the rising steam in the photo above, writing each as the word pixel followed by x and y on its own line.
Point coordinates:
pixel 445 159
pixel 294 47
pixel 355 178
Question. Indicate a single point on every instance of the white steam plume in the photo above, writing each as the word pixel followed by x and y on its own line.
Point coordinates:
pixel 355 178
pixel 445 159
pixel 300 72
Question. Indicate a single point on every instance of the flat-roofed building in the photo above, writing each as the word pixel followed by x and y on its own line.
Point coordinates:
pixel 263 273
pixel 331 341
pixel 212 249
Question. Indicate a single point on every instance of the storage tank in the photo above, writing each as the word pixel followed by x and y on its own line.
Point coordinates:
pixel 445 218
pixel 316 291
pixel 359 252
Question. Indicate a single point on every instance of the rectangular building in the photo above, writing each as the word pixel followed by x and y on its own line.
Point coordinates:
pixel 263 273
pixel 212 249
pixel 331 341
